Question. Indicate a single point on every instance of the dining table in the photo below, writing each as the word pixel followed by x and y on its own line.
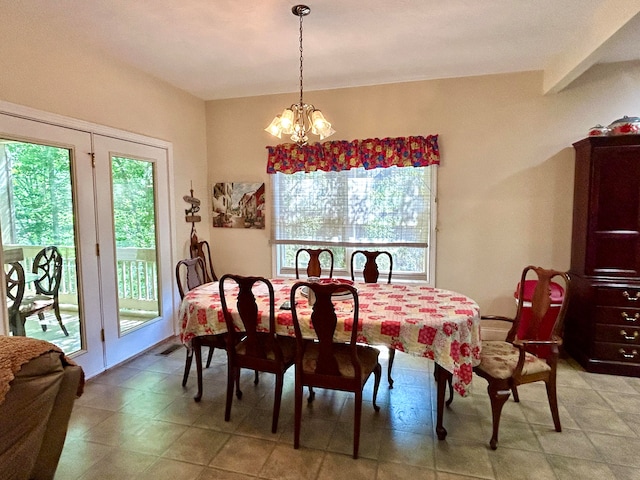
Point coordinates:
pixel 415 318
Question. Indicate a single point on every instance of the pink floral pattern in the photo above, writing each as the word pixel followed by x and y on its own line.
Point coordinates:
pixel 342 155
pixel 420 320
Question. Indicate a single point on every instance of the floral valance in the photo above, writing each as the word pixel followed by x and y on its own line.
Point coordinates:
pixel 342 155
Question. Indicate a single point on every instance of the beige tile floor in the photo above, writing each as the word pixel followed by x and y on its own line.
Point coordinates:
pixel 137 422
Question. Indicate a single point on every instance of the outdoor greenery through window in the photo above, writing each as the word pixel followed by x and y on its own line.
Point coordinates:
pixel 135 234
pixel 382 208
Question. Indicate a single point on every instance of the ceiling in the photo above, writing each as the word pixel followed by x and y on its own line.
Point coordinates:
pixel 218 49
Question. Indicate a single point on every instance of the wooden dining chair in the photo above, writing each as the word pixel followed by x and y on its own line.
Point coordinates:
pixel 189 275
pixel 313 266
pixel 370 274
pixel 256 346
pixel 530 351
pixel 324 363
pixel 370 271
pixel 200 248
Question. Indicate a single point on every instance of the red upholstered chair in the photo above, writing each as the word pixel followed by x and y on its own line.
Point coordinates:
pixel 370 274
pixel 530 351
pixel 327 364
pixel 257 347
pixel 313 267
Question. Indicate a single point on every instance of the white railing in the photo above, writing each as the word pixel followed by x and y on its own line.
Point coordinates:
pixel 136 270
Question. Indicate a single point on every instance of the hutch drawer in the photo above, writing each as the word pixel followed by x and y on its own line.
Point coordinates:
pixel 618 334
pixel 618 316
pixel 617 352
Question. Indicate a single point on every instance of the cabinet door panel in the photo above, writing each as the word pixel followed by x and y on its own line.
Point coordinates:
pixel 614 223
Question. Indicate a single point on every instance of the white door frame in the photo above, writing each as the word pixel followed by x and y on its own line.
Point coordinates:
pixel 92 128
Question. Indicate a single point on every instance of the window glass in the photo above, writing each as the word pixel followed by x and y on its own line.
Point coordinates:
pixel 384 208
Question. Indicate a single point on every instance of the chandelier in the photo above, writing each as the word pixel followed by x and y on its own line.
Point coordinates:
pixel 300 118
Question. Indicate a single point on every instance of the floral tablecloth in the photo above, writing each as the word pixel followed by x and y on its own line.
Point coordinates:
pixel 441 325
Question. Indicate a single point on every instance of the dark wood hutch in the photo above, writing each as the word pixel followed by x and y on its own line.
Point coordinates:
pixel 602 327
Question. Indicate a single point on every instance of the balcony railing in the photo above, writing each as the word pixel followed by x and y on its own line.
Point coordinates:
pixel 137 276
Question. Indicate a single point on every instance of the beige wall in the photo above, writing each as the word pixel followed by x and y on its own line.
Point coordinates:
pixel 58 76
pixel 505 182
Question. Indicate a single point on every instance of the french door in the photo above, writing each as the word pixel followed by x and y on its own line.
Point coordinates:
pixel 135 254
pixel 103 203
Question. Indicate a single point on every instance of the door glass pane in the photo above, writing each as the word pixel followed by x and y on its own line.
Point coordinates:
pixel 134 214
pixel 39 243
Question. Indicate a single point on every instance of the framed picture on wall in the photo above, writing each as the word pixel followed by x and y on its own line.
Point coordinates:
pixel 238 205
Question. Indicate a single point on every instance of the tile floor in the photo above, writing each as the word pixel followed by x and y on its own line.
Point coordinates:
pixel 137 422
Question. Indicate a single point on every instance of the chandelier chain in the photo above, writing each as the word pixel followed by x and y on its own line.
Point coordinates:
pixel 301 58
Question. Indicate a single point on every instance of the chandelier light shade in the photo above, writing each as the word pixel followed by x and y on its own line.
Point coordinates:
pixel 300 118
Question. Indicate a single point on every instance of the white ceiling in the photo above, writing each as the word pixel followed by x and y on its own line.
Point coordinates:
pixel 228 48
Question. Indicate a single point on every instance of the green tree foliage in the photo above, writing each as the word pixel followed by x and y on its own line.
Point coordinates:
pixel 41 197
pixel 133 203
pixel 41 193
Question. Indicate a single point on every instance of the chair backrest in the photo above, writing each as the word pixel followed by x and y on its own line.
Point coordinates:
pixel 541 309
pixel 370 271
pixel 201 249
pixel 189 274
pixel 324 321
pixel 259 338
pixel 15 286
pixel 313 267
pixel 47 264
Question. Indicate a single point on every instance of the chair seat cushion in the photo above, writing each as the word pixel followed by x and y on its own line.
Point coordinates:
pixel 287 345
pixel 368 359
pixel 499 360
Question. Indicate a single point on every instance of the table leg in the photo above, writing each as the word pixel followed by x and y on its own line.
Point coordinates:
pixel 442 376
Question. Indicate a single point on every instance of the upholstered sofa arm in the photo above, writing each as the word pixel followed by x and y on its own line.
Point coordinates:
pixel 35 414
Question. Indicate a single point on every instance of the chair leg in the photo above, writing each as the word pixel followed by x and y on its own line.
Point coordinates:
pixel 238 391
pixel 56 311
pixel 514 391
pixel 211 350
pixel 187 367
pixel 15 320
pixel 256 378
pixel 276 401
pixel 297 419
pixel 357 414
pixel 197 349
pixel 231 379
pixel 312 395
pixel 392 356
pixel 498 394
pixel 43 325
pixel 553 403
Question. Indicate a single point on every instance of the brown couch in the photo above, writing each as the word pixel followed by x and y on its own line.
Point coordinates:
pixel 36 409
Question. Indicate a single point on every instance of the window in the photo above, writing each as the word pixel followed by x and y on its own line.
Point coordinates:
pixel 382 208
